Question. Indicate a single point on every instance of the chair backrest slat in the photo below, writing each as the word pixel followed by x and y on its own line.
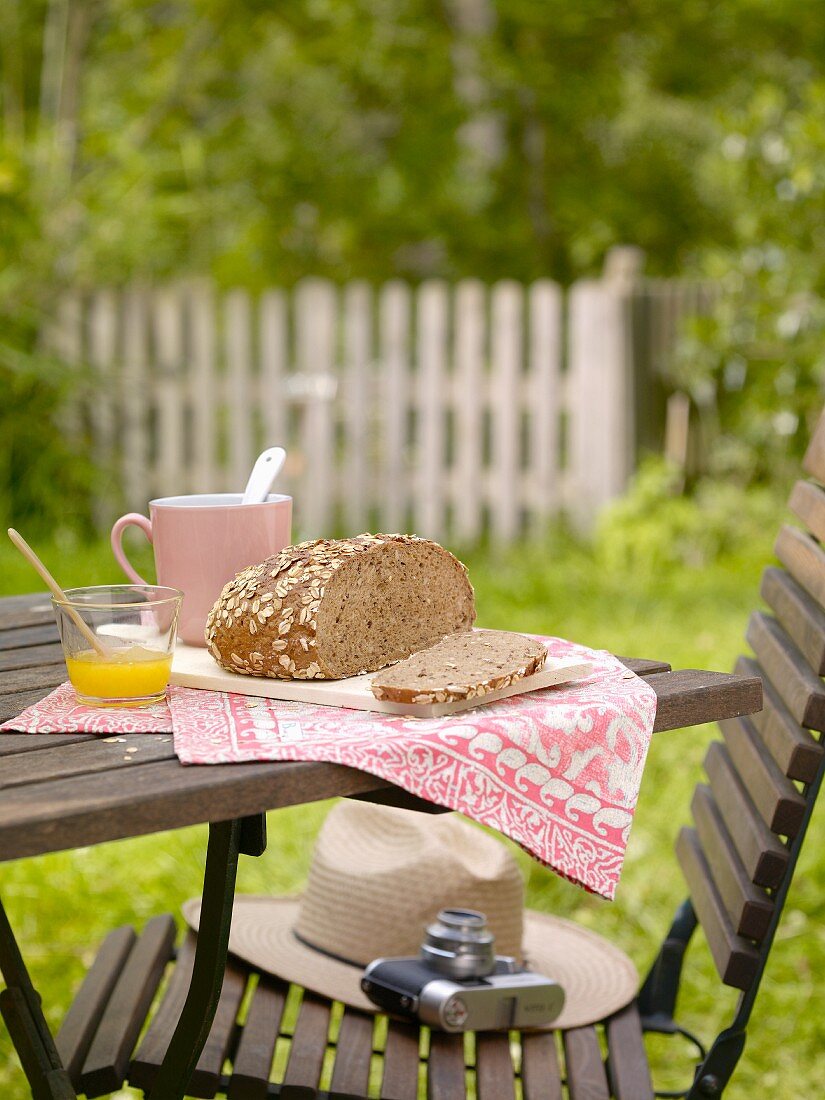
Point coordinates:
pixel 807 501
pixel 802 692
pixel 763 854
pixel 792 747
pixel 737 960
pixel 804 559
pixel 779 803
pixel 750 822
pixel 802 618
pixel 749 907
pixel 814 461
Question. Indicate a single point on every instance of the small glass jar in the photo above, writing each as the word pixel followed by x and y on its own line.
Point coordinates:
pixel 135 627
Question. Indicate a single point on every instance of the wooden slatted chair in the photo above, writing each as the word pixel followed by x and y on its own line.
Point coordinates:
pixel 738 858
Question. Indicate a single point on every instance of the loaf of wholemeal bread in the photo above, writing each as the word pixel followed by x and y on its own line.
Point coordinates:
pixel 461 666
pixel 333 608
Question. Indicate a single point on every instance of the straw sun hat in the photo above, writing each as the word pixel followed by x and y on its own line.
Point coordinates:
pixel 379 875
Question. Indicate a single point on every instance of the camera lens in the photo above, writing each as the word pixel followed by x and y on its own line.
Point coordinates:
pixel 458 943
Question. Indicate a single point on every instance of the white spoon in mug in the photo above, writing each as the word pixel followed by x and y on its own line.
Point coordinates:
pixel 267 467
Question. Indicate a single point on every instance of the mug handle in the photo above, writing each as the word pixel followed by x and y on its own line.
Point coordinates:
pixel 130 519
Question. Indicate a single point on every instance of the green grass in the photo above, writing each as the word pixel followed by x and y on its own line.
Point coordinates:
pixel 61 905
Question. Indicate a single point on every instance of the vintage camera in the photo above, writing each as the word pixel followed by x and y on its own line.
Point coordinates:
pixel 458 983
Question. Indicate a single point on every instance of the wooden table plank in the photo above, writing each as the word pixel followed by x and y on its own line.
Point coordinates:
pixel 59 813
pixel 61 761
pixel 689 697
pixel 643 666
pixel 31 656
pixel 29 610
pixel 44 676
pixel 12 705
pixel 22 636
pixel 13 743
pixel 90 809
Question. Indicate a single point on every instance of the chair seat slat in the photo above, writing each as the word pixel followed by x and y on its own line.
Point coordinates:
pixel 793 748
pixel 778 801
pixel 445 1069
pixel 787 670
pixel 749 907
pixel 586 1075
pixel 737 960
pixel 150 1053
pixel 104 1069
pixel 495 1074
pixel 86 1011
pixel 802 617
pixel 763 854
pixel 206 1078
pixel 540 1073
pixel 256 1047
pixel 309 1043
pixel 400 1077
pixel 628 1068
pixel 353 1051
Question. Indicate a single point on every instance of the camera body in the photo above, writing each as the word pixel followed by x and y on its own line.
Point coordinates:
pixel 458 983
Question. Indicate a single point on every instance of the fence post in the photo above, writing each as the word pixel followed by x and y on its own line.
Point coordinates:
pixel 601 443
pixel 204 393
pixel 134 397
pixel 316 353
pixel 469 383
pixel 394 359
pixel 103 332
pixel 272 377
pixel 64 338
pixel 431 435
pixel 506 349
pixel 169 389
pixel 353 488
pixel 238 382
pixel 544 380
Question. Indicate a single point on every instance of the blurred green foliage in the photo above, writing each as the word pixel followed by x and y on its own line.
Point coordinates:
pixel 259 143
pixel 756 366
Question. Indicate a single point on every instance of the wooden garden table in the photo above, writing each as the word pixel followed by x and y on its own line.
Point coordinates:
pixel 61 792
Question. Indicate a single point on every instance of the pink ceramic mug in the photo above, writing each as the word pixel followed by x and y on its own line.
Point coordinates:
pixel 201 542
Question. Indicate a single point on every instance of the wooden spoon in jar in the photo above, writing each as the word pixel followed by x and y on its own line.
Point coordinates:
pixel 57 591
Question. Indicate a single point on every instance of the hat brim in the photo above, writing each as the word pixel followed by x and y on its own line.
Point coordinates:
pixel 598 979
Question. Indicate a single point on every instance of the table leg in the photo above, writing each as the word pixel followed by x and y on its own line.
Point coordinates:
pixel 23 1015
pixel 226 840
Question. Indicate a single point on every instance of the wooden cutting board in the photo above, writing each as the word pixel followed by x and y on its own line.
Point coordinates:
pixel 194 667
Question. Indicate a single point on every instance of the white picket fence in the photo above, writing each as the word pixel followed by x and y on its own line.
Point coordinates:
pixel 448 410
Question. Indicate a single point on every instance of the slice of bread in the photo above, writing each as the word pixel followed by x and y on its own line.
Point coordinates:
pixel 461 666
pixel 332 608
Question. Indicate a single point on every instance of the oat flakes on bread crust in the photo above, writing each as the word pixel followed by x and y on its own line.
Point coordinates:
pixel 461 666
pixel 330 608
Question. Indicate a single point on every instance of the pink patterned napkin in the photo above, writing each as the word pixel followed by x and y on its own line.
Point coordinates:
pixel 556 770
pixel 60 712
